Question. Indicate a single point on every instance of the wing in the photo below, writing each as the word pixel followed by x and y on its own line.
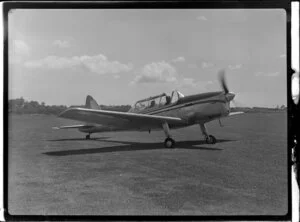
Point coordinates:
pixel 114 118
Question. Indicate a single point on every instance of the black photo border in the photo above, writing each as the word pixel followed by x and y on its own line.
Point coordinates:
pixel 214 4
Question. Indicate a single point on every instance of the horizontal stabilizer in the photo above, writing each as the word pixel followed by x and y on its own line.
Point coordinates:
pixel 235 113
pixel 68 127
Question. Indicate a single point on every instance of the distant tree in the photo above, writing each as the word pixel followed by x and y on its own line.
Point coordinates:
pixel 19 102
pixel 119 108
pixel 21 106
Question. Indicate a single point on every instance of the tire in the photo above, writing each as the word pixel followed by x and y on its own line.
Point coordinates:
pixel 211 139
pixel 169 143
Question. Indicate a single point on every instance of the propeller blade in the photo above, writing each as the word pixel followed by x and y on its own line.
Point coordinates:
pixel 223 81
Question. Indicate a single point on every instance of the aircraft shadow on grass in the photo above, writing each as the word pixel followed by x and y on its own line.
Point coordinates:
pixel 134 146
pixel 80 139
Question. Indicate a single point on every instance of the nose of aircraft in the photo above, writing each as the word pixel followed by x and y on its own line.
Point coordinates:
pixel 230 96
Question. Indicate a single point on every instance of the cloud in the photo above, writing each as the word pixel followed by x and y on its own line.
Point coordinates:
pixel 192 66
pixel 62 43
pixel 97 64
pixel 190 82
pixel 282 56
pixel 272 74
pixel 187 82
pixel 202 18
pixel 233 67
pixel 18 50
pixel 206 65
pixel 179 59
pixel 156 72
pixel 268 74
pixel 116 76
pixel 20 47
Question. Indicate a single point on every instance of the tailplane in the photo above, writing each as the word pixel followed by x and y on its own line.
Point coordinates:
pixel 90 103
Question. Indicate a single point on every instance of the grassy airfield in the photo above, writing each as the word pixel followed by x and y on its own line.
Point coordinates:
pixel 131 173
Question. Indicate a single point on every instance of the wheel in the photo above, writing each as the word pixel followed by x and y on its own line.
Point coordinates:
pixel 87 137
pixel 211 139
pixel 169 143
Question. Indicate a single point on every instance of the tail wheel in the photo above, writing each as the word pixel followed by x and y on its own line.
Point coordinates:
pixel 211 139
pixel 169 143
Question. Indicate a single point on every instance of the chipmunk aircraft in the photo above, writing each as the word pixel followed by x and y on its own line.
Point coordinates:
pixel 161 112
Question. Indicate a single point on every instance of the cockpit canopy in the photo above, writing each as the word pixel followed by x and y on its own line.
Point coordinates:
pixel 157 101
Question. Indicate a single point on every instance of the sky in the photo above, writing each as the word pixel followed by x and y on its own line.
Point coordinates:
pixel 122 55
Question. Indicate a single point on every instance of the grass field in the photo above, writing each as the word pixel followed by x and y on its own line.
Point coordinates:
pixel 60 173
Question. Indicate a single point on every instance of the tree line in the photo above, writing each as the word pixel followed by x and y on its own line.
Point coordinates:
pixel 21 106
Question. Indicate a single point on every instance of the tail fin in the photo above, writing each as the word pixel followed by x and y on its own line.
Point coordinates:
pixel 90 103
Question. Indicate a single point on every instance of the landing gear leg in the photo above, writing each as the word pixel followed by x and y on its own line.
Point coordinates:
pixel 209 139
pixel 169 142
pixel 87 137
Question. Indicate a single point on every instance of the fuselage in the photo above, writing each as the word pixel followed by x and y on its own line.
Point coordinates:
pixel 193 109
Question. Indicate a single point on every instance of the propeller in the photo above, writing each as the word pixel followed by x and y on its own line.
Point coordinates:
pixel 229 95
pixel 223 81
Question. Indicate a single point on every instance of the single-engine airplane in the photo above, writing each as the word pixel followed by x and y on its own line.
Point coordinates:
pixel 161 112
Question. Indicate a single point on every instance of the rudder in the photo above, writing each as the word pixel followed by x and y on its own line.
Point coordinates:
pixel 90 103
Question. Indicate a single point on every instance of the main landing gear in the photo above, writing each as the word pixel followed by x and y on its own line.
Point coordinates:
pixel 209 139
pixel 169 142
pixel 88 137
